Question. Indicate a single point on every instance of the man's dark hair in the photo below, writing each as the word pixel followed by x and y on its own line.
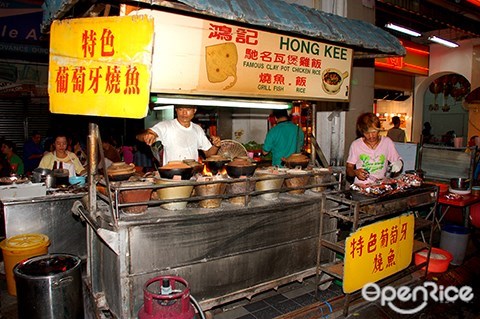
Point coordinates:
pixel 280 113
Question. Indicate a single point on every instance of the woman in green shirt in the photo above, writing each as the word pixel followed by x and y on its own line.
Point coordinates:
pixel 16 163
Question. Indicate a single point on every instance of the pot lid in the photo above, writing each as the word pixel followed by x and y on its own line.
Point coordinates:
pixel 121 168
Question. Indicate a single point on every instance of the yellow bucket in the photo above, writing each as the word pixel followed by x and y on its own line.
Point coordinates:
pixel 18 248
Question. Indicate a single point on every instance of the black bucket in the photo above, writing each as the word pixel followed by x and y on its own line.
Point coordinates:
pixel 49 286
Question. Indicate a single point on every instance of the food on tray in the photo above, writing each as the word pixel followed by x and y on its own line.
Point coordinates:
pixel 388 185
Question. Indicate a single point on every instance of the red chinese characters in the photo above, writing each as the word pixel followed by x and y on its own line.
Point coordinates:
pixel 114 78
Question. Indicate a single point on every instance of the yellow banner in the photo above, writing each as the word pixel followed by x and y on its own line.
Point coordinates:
pixel 101 66
pixel 197 56
pixel 377 251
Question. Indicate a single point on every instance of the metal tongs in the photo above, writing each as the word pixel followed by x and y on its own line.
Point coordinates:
pixel 156 149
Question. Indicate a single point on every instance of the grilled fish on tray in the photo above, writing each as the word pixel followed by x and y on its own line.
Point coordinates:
pixel 388 186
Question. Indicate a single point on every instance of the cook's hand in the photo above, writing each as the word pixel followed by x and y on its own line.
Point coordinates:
pixel 361 174
pixel 216 141
pixel 149 137
pixel 397 166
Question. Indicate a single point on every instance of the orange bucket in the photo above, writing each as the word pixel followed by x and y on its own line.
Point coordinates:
pixel 18 248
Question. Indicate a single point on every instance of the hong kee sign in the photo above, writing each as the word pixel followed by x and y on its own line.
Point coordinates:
pixel 101 66
pixel 197 56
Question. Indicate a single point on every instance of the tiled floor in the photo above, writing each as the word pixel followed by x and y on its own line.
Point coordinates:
pixel 294 298
pixel 272 304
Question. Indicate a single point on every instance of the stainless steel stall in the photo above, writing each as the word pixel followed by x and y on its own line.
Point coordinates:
pixel 50 215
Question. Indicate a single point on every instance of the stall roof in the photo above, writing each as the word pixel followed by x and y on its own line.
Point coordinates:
pixel 367 40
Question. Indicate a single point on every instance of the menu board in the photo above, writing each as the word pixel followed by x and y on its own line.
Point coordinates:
pixel 203 57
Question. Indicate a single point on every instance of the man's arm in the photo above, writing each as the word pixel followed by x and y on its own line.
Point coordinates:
pixel 148 136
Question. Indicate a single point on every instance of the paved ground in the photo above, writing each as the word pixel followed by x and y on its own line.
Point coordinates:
pixel 297 300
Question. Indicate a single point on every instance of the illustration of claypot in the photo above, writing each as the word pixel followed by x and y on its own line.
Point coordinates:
pixel 332 80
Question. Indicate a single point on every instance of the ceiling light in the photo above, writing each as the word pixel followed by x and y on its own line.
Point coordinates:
pixel 163 107
pixel 443 42
pixel 255 104
pixel 402 29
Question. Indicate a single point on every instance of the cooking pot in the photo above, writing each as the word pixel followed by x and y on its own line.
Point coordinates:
pixel 61 177
pixel 296 160
pixel 459 183
pixel 120 171
pixel 215 163
pixel 39 174
pixel 197 167
pixel 238 169
pixel 332 80
pixel 176 168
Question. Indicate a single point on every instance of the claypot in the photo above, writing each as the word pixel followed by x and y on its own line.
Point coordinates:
pixel 332 80
pixel 174 192
pixel 238 188
pixel 321 176
pixel 300 178
pixel 134 196
pixel 196 166
pixel 209 190
pixel 275 182
pixel 176 170
pixel 297 160
pixel 215 163
pixel 240 166
pixel 120 171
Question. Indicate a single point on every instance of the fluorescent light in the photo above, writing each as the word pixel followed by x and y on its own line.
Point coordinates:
pixel 163 107
pixel 257 104
pixel 443 41
pixel 402 29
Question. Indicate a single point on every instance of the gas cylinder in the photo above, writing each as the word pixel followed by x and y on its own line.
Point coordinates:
pixel 166 297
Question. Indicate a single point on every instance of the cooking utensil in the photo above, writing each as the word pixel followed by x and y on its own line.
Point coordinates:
pixel 157 149
pixel 39 174
pixel 459 183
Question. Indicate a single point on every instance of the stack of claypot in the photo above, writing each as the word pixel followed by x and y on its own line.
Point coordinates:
pixel 321 175
pixel 296 160
pixel 240 167
pixel 120 171
pixel 173 173
pixel 297 177
pixel 270 178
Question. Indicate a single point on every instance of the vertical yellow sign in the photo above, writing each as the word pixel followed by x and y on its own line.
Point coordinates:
pixel 377 251
pixel 101 66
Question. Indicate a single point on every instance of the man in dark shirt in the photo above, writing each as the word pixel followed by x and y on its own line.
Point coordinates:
pixel 32 152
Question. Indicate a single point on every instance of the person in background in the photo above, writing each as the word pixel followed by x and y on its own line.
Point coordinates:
pixel 5 168
pixel 181 138
pixel 427 136
pixel 396 134
pixel 62 158
pixel 284 139
pixel 110 151
pixel 369 155
pixel 16 163
pixel 32 152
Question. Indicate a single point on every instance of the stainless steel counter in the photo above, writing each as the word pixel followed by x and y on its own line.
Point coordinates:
pixel 50 215
pixel 225 253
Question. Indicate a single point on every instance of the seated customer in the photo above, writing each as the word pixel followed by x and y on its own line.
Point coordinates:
pixel 16 163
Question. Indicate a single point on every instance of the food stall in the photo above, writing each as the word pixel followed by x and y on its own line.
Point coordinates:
pixel 251 238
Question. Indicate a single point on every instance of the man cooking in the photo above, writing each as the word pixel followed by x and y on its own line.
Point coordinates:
pixel 181 138
pixel 370 154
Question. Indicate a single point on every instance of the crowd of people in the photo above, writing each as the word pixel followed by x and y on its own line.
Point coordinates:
pixel 62 151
